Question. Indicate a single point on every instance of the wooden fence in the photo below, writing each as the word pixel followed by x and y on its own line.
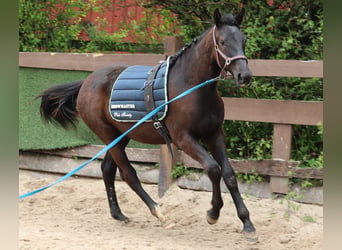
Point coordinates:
pixel 283 114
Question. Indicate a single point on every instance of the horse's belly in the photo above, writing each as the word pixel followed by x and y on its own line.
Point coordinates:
pixel 144 133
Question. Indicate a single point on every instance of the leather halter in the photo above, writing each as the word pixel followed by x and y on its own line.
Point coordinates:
pixel 228 60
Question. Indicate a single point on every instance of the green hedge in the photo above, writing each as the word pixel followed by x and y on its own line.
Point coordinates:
pixel 253 140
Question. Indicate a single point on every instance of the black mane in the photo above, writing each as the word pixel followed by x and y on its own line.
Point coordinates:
pixel 174 58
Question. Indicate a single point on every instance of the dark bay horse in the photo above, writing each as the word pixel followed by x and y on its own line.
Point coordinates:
pixel 192 120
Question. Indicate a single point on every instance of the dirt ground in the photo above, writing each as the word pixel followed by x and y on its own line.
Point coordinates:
pixel 75 215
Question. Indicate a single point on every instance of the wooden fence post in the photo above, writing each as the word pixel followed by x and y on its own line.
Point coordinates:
pixel 166 164
pixel 282 139
pixel 171 45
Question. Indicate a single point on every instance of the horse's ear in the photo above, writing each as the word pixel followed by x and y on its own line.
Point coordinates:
pixel 217 17
pixel 239 16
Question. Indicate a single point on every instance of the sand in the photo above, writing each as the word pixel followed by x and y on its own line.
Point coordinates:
pixel 75 215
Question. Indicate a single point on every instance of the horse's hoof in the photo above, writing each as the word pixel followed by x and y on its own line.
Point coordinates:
pixel 156 211
pixel 210 219
pixel 126 220
pixel 121 218
pixel 250 236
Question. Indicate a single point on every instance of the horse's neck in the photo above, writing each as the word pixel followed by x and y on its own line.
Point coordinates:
pixel 198 64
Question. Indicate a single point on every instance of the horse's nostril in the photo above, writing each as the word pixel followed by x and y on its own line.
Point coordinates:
pixel 243 79
pixel 240 78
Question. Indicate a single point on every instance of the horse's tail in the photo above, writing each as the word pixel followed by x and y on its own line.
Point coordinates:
pixel 58 104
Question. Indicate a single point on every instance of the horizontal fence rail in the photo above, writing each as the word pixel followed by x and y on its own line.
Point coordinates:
pixel 282 113
pixel 262 167
pixel 93 61
pixel 84 61
pixel 273 111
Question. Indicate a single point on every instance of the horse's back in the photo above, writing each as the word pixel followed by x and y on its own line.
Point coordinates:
pixel 103 77
pixel 94 94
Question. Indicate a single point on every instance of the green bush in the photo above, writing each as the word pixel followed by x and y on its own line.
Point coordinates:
pixel 44 26
pixel 63 26
pixel 280 30
pixel 253 140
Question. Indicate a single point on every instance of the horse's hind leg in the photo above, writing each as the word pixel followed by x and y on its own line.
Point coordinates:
pixel 216 145
pixel 109 168
pixel 119 159
pixel 129 175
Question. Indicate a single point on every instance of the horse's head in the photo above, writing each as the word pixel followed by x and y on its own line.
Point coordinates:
pixel 229 44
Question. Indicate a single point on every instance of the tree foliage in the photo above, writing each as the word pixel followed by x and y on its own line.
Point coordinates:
pixel 194 16
pixel 278 29
pixel 65 25
pixel 55 25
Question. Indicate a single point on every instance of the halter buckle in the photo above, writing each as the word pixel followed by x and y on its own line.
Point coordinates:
pixel 228 61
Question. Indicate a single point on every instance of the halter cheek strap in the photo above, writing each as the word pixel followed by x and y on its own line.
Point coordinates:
pixel 227 59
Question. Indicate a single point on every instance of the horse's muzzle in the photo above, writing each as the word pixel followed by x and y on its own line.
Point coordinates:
pixel 243 79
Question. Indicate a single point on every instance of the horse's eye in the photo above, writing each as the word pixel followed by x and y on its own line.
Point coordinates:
pixel 222 42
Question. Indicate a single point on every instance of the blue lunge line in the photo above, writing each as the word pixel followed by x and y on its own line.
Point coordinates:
pixel 113 143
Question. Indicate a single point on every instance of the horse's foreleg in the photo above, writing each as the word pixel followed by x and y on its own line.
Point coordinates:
pixel 128 174
pixel 191 146
pixel 217 147
pixel 109 168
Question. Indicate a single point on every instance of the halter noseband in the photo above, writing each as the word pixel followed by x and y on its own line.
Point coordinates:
pixel 227 59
